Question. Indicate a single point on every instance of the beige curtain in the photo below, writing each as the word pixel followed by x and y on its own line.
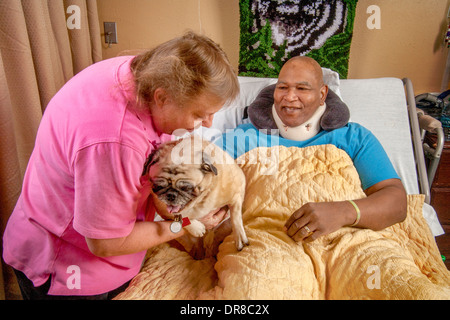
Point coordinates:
pixel 43 43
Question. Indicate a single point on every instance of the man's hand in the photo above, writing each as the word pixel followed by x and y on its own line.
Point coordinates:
pixel 384 206
pixel 314 220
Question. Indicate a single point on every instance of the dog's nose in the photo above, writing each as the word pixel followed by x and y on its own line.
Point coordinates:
pixel 171 196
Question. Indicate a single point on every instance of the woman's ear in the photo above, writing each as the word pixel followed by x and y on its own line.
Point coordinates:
pixel 160 97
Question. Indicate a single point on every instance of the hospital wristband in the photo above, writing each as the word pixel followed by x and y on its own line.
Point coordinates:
pixel 358 213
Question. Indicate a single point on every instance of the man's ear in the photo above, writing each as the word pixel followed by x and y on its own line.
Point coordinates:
pixel 323 93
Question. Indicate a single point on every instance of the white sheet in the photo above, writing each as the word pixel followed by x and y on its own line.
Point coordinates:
pixel 380 105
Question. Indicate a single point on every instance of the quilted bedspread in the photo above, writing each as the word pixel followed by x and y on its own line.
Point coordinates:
pixel 399 262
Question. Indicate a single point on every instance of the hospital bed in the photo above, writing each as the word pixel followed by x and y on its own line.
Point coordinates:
pixel 386 107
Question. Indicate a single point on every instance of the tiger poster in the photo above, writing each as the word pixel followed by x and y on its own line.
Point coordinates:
pixel 274 31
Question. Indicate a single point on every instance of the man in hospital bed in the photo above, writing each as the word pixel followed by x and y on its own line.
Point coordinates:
pixel 299 102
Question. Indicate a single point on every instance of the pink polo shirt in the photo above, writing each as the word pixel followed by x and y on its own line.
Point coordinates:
pixel 83 180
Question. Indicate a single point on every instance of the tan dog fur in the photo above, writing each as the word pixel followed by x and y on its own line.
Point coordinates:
pixel 213 184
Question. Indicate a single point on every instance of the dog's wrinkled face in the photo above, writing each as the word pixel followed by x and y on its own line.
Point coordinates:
pixel 178 184
pixel 175 188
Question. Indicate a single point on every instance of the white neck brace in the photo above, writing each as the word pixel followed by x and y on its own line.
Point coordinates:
pixel 304 131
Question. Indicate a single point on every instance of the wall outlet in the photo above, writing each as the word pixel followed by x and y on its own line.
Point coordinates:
pixel 110 32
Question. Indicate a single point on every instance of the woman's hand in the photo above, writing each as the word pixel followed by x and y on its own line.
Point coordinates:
pixel 215 217
pixel 314 220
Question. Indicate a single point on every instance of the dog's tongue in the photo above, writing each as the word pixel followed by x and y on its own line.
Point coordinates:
pixel 173 209
pixel 163 210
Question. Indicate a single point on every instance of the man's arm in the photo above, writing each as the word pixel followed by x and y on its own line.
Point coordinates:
pixel 384 206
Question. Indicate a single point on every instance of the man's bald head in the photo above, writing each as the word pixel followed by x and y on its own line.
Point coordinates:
pixel 299 91
pixel 302 62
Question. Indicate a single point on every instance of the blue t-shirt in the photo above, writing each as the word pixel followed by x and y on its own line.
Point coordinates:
pixel 367 153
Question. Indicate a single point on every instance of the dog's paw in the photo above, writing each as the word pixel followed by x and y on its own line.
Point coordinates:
pixel 196 228
pixel 241 241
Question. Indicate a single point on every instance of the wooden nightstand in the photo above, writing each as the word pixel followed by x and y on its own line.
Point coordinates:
pixel 440 197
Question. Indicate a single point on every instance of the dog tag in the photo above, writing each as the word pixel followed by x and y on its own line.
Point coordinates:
pixel 176 225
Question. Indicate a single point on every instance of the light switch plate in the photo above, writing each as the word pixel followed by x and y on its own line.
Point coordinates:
pixel 110 32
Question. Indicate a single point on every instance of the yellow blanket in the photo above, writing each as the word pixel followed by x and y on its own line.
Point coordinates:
pixel 400 262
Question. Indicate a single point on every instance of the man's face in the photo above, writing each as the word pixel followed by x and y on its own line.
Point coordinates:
pixel 299 92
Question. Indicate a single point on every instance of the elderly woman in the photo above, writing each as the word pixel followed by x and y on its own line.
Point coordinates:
pixel 83 221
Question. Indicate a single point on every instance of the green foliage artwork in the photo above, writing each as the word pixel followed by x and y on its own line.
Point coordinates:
pixel 274 31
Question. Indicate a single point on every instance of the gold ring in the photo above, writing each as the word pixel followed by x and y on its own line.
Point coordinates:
pixel 308 230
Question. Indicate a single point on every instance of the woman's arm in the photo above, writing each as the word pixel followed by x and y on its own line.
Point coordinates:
pixel 145 235
pixel 384 206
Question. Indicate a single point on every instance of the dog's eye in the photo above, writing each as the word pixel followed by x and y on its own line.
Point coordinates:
pixel 184 186
pixel 160 183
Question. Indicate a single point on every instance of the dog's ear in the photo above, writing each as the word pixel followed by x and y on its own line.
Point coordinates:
pixel 151 160
pixel 207 165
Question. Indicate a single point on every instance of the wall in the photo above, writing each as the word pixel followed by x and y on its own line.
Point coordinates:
pixel 409 43
pixel 147 23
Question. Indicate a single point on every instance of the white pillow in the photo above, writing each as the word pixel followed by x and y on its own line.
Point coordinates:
pixel 331 79
pixel 229 117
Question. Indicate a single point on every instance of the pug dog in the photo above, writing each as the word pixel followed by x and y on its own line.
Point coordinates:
pixel 192 177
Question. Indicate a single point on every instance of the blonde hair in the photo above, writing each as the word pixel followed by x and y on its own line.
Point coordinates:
pixel 185 67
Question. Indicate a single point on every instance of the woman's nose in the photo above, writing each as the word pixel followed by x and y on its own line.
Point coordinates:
pixel 208 121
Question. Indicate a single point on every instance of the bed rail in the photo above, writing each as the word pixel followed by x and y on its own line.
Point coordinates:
pixel 424 185
pixel 434 152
